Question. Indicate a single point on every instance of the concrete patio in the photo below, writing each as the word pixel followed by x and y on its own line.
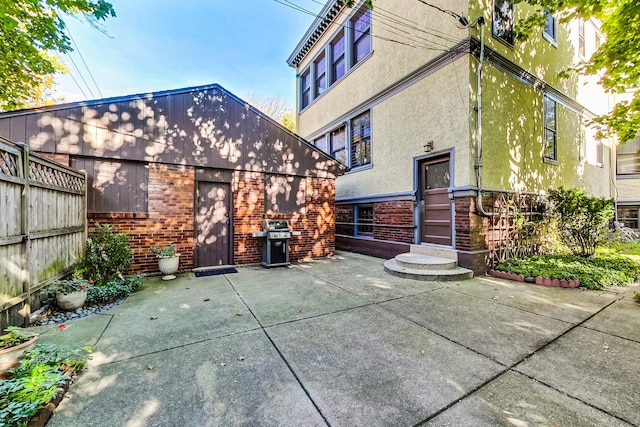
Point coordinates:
pixel 340 342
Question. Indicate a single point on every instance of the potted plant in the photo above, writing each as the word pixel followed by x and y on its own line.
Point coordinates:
pixel 70 294
pixel 168 260
pixel 13 345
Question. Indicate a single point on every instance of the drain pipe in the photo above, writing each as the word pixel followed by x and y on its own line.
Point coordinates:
pixel 478 168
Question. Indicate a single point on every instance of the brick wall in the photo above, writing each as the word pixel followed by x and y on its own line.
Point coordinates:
pixel 316 221
pixel 388 214
pixel 169 218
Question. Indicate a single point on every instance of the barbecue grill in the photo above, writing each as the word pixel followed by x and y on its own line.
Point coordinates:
pixel 275 253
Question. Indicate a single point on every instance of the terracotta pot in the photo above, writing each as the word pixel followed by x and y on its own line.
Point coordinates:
pixel 168 266
pixel 71 301
pixel 9 356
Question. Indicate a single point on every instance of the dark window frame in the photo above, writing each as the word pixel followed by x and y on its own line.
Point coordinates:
pixel 629 153
pixel 550 129
pixel 550 30
pixel 345 147
pixel 360 141
pixel 360 36
pixel 320 85
pixel 363 220
pixel 339 59
pixel 503 21
pixel 629 221
pixel 305 88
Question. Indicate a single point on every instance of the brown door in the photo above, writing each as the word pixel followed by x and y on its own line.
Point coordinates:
pixel 435 178
pixel 212 224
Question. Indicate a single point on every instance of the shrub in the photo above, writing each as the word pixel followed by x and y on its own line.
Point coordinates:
pixel 108 254
pixel 594 273
pixel 113 290
pixel 582 220
pixel 636 297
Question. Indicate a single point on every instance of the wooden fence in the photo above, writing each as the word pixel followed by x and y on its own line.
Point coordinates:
pixel 43 227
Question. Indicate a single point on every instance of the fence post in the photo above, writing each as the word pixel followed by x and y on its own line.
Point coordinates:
pixel 25 210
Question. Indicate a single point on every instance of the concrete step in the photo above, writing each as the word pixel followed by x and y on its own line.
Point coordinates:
pixel 437 251
pixel 391 266
pixel 424 262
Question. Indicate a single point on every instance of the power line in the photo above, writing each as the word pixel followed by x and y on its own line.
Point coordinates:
pixel 299 8
pixel 80 74
pixel 84 62
pixel 74 80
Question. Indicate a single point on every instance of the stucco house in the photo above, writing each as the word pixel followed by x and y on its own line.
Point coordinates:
pixel 448 125
pixel 627 189
pixel 196 166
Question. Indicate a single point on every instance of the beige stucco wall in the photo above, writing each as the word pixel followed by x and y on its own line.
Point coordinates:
pixel 402 124
pixel 388 61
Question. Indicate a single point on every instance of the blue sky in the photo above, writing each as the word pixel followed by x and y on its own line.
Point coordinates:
pixel 157 45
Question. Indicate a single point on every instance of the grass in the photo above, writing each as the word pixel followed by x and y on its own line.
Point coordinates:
pixel 606 269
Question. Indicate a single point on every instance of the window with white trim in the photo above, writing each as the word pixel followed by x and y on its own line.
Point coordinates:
pixel 550 129
pixel 581 40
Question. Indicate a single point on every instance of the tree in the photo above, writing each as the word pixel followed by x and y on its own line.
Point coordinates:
pixel 276 108
pixel 617 60
pixel 32 34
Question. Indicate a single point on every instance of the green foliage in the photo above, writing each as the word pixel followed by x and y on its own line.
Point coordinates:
pixel 68 286
pixel 108 254
pixel 31 30
pixel 167 251
pixel 113 290
pixel 594 273
pixel 581 220
pixel 14 337
pixel 636 297
pixel 36 381
pixel 616 61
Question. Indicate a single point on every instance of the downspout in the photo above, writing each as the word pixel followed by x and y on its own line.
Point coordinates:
pixel 478 167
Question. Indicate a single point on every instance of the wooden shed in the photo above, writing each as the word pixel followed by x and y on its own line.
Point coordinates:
pixel 196 166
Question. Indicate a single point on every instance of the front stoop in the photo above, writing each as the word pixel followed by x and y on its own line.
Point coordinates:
pixel 418 265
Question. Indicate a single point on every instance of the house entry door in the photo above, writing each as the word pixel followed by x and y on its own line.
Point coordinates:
pixel 212 224
pixel 435 179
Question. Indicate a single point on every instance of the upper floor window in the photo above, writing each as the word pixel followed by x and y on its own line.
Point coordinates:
pixel 338 143
pixel 361 35
pixel 581 42
pixel 503 21
pixel 550 129
pixel 321 143
pixel 360 140
pixel 306 89
pixel 321 75
pixel 628 158
pixel 549 30
pixel 337 57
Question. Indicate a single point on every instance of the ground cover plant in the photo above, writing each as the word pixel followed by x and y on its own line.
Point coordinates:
pixel 36 381
pixel 594 273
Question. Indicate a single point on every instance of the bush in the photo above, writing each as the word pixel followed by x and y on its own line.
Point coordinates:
pixel 108 254
pixel 113 290
pixel 636 297
pixel 594 273
pixel 582 220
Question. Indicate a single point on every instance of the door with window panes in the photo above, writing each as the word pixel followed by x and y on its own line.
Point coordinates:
pixel 435 179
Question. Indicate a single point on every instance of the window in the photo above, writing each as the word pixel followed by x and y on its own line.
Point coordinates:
pixel 306 89
pixel 361 35
pixel 338 141
pixel 627 157
pixel 550 129
pixel 321 75
pixel 581 44
pixel 337 58
pixel 360 140
pixel 364 220
pixel 321 143
pixel 628 216
pixel 285 194
pixel 549 31
pixel 598 41
pixel 503 21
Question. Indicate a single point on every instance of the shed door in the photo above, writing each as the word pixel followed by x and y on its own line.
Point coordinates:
pixel 435 179
pixel 212 224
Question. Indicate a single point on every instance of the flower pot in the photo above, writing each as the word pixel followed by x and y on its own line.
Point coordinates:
pixel 168 266
pixel 9 356
pixel 72 300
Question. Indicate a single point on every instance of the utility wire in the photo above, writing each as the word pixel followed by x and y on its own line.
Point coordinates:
pixel 299 8
pixel 80 74
pixel 84 62
pixel 74 80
